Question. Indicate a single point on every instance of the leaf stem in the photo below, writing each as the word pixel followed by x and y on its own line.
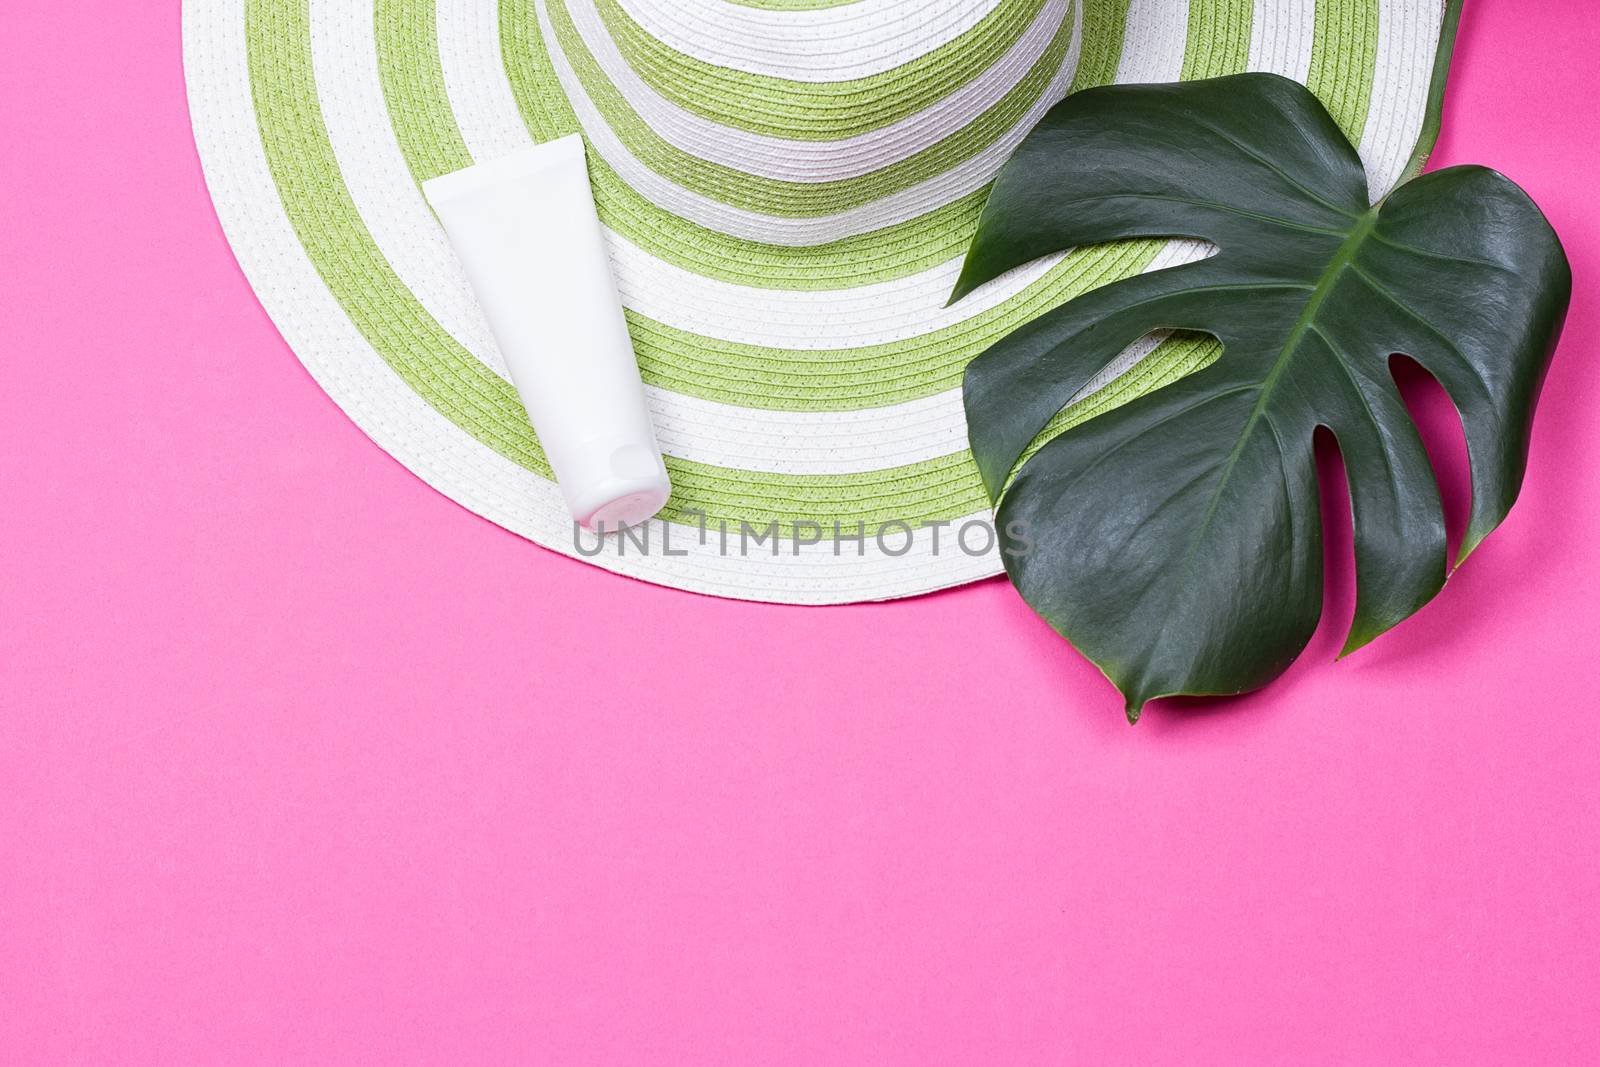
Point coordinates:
pixel 1441 72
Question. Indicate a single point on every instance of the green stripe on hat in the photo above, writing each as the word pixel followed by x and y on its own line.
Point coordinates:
pixel 772 196
pixel 818 111
pixel 1344 53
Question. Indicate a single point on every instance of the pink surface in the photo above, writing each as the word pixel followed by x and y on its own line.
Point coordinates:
pixel 299 761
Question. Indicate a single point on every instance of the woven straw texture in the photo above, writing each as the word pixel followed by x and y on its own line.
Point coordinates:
pixel 787 187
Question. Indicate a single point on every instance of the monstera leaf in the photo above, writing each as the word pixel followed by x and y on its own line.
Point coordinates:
pixel 1176 540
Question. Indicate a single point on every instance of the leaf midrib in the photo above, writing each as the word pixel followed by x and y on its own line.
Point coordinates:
pixel 1342 258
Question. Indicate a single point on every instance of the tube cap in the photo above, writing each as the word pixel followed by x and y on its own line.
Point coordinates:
pixel 612 486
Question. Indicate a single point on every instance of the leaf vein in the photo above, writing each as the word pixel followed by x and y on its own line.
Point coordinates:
pixel 1145 430
pixel 1339 361
pixel 1404 246
pixel 1260 216
pixel 1274 168
pixel 1444 338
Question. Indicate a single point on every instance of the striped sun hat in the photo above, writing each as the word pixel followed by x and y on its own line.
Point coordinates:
pixel 787 188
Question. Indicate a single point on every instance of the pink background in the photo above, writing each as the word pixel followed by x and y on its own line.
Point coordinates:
pixel 299 761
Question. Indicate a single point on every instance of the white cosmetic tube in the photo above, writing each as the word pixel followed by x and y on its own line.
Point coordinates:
pixel 525 229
